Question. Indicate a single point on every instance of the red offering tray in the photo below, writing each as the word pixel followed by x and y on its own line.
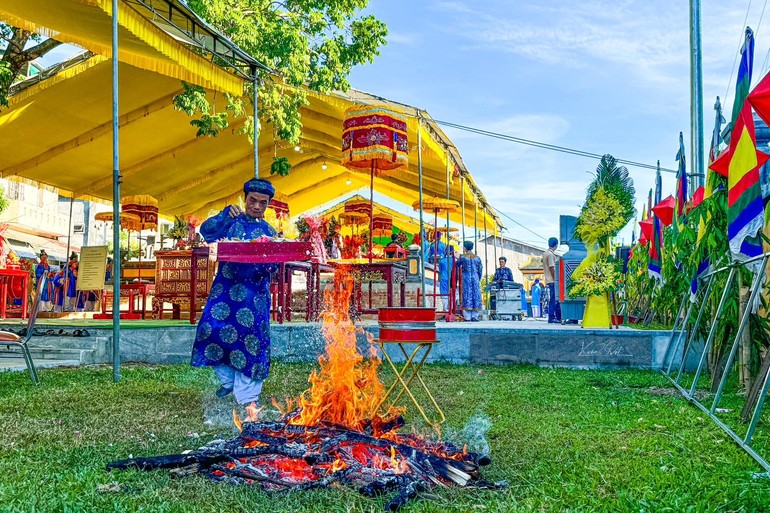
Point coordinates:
pixel 264 252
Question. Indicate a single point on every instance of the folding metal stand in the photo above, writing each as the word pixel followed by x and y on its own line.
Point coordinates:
pixel 756 287
pixel 414 369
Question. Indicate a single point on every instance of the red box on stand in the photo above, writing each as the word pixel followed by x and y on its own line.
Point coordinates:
pixel 264 252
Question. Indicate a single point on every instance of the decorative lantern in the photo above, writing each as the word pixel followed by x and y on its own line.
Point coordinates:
pixel 143 206
pixel 363 207
pixel 128 221
pixel 382 225
pixel 374 140
pixel 279 204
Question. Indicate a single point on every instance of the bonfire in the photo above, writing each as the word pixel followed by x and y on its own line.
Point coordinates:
pixel 333 433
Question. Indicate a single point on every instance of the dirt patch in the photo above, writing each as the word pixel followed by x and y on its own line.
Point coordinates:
pixel 673 392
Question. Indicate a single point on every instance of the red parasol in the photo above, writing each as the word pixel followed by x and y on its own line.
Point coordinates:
pixel 665 210
pixel 374 140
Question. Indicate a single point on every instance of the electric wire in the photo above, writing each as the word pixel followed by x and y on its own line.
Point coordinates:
pixel 518 223
pixel 546 146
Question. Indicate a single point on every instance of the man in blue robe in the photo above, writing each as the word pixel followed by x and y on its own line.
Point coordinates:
pixel 233 335
pixel 502 273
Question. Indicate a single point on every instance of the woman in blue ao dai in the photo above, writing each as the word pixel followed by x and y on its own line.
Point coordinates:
pixel 471 268
pixel 233 335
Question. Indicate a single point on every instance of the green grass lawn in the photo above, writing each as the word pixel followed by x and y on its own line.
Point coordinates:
pixel 565 440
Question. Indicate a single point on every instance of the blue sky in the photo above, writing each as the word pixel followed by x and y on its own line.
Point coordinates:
pixel 603 76
pixel 607 76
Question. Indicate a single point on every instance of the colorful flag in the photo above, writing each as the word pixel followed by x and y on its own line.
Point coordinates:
pixel 745 208
pixel 656 260
pixel 743 82
pixel 681 179
pixel 704 265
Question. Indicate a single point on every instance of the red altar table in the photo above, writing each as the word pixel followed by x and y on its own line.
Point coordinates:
pixel 392 271
pixel 134 291
pixel 6 276
pixel 282 289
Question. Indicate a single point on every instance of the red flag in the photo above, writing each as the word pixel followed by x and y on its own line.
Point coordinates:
pixel 665 210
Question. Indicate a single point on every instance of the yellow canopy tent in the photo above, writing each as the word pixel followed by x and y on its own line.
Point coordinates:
pixel 57 130
pixel 401 221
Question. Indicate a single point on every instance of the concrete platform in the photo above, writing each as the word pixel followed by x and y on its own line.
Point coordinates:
pixel 490 342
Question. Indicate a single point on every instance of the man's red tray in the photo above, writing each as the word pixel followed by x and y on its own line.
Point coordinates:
pixel 264 252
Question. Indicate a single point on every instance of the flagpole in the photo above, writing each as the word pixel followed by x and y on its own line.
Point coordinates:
pixel 696 98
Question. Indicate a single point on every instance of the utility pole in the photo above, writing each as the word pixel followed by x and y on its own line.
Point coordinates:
pixel 697 175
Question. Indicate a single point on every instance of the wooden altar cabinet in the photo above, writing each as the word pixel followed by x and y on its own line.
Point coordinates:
pixel 391 271
pixel 182 278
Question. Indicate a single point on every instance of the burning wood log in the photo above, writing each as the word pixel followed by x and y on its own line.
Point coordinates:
pixel 279 456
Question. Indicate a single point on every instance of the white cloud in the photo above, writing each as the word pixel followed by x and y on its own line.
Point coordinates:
pixel 401 38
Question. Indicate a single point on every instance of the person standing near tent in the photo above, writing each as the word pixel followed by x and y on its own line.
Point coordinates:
pixel 549 271
pixel 41 273
pixel 437 254
pixel 72 302
pixel 471 268
pixel 233 335
pixel 536 292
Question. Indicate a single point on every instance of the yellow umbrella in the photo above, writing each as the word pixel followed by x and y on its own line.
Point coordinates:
pixel 128 221
pixel 145 207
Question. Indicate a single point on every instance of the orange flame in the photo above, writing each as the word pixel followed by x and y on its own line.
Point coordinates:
pixel 346 390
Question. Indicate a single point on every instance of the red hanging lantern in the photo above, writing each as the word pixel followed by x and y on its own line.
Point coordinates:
pixel 374 140
pixel 280 205
pixel 383 225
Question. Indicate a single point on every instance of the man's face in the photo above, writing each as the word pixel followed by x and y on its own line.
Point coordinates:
pixel 256 204
pixel 502 263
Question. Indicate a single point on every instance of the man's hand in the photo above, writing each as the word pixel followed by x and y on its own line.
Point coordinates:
pixel 234 211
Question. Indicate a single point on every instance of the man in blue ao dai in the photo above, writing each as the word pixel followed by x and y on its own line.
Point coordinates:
pixel 233 335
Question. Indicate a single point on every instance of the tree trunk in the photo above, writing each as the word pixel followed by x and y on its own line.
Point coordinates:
pixel 751 399
pixel 16 58
pixel 745 341
pixel 717 358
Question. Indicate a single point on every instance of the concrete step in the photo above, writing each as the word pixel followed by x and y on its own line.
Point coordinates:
pixel 82 356
pixel 64 342
pixel 18 365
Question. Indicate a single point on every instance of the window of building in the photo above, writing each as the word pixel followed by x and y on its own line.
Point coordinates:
pixel 15 190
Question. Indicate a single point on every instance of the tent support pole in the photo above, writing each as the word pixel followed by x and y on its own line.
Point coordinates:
pixel 422 237
pixel 462 193
pixel 66 259
pixel 255 74
pixel 115 202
